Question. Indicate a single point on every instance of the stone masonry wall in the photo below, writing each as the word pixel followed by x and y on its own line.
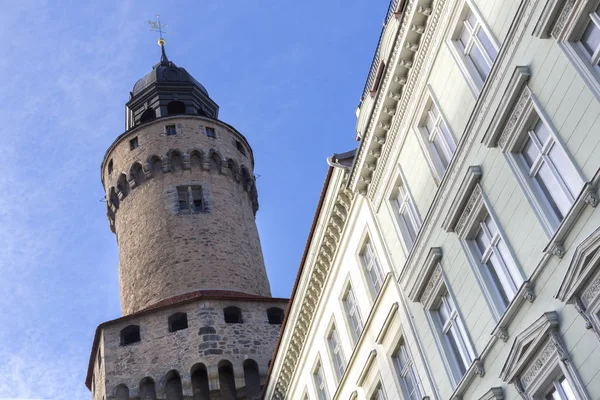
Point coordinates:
pixel 207 340
pixel 164 253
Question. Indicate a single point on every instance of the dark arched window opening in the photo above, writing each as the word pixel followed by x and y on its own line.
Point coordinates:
pixel 233 315
pixel 173 388
pixel 201 112
pixel 123 185
pixel 251 379
pixel 110 166
pixel 148 115
pixel 122 392
pixel 178 321
pixel 147 389
pixel 227 381
pixel 175 107
pixel 240 147
pixel 200 386
pixel 130 334
pixel 275 315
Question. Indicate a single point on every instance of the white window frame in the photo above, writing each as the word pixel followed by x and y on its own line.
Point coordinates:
pixel 436 165
pixel 436 295
pixel 371 267
pixel 406 372
pixel 336 351
pixel 406 215
pixel 318 374
pixel 352 314
pixel 378 392
pixel 474 80
pixel 568 176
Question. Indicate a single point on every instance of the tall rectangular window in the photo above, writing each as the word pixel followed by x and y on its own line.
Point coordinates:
pixel 190 199
pixel 496 262
pixel 378 393
pixel 560 390
pixel 372 268
pixel 336 352
pixel 352 314
pixel 406 373
pixel 453 335
pixel 439 135
pixel 409 222
pixel 551 171
pixel 474 47
pixel 320 384
pixel 590 38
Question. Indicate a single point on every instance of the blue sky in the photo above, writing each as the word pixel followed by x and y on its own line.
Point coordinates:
pixel 287 74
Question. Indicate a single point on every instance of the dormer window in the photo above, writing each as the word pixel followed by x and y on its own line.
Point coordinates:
pixel 170 130
pixel 175 107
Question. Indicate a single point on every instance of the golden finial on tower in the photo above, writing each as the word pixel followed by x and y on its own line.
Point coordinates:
pixel 157 26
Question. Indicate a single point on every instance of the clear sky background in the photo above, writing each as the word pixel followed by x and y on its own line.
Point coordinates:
pixel 287 74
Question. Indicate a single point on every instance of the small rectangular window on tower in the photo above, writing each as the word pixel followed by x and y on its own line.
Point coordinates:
pixel 210 132
pixel 133 143
pixel 190 199
pixel 170 130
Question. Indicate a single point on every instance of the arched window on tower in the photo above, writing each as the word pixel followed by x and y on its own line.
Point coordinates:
pixel 178 321
pixel 200 386
pixel 122 392
pixel 275 315
pixel 233 315
pixel 173 387
pixel 251 379
pixel 227 381
pixel 148 115
pixel 130 334
pixel 240 147
pixel 175 107
pixel 147 389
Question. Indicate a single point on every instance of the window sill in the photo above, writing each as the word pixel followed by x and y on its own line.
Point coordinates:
pixel 476 369
pixel 525 293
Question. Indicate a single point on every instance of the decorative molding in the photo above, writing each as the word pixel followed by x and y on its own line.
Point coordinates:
pixel 583 266
pixel 434 282
pixel 469 212
pixel 564 15
pixel 366 368
pixel 478 368
pixel 508 103
pixel 468 184
pixel 548 351
pixel 502 334
pixel 495 393
pixel 387 323
pixel 510 129
pixel 547 19
pixel 525 293
pixel 424 276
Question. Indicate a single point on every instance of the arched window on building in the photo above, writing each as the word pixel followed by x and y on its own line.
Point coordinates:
pixel 122 392
pixel 233 315
pixel 178 321
pixel 173 388
pixel 130 334
pixel 275 315
pixel 147 389
pixel 175 107
pixel 252 379
pixel 240 147
pixel 148 115
pixel 227 381
pixel 200 386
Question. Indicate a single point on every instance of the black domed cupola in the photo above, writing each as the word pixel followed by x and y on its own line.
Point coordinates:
pixel 168 90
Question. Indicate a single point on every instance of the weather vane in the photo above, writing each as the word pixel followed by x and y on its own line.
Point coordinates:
pixel 157 26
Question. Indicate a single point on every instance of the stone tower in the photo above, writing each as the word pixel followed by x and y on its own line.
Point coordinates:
pixel 198 318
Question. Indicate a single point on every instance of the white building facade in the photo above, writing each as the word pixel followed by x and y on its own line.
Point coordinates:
pixel 454 254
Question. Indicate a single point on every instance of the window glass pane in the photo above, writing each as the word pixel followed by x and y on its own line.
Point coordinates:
pixel 559 203
pixel 567 389
pixel 541 132
pixel 530 152
pixel 456 352
pixel 487 44
pixel 439 149
pixel 472 19
pixel 482 241
pixel 566 169
pixel 479 61
pixel 448 137
pixel 497 283
pixel 444 312
pixel 591 38
pixel 464 37
pixel 430 123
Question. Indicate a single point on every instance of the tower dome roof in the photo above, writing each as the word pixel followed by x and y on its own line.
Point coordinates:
pixel 168 73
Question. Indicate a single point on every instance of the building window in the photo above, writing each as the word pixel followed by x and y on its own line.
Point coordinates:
pixel 560 390
pixel 240 147
pixel 133 143
pixel 435 137
pixel 473 46
pixel 190 199
pixel 210 132
pixel 275 315
pixel 371 267
pixel 320 384
pixel 453 335
pixel 352 314
pixel 409 222
pixel 378 393
pixel 178 322
pixel 406 372
pixel 495 263
pixel 110 167
pixel 336 352
pixel 232 315
pixel 170 130
pixel 130 334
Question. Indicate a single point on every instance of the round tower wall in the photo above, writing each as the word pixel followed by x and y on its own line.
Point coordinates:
pixel 182 207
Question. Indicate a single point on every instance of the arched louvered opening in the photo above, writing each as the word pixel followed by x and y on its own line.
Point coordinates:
pixel 130 334
pixel 240 147
pixel 232 315
pixel 123 185
pixel 173 388
pixel 175 107
pixel 122 392
pixel 195 160
pixel 112 197
pixel 227 381
pixel 200 385
pixel 176 162
pixel 147 389
pixel 148 115
pixel 275 315
pixel 137 173
pixel 178 322
pixel 156 165
pixel 252 380
pixel 215 161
